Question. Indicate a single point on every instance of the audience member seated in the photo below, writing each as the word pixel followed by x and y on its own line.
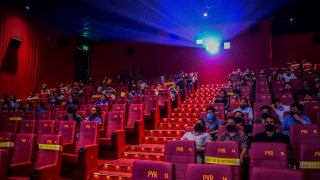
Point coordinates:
pixel 316 90
pixel 270 134
pixel 295 117
pixel 14 101
pixel 288 76
pixel 236 97
pixel 32 96
pixel 41 107
pixel 72 115
pixel 223 98
pixel 174 91
pixel 265 111
pixel 102 101
pixel 245 109
pixel 279 108
pixel 233 134
pixel 95 115
pixel 54 101
pixel 287 88
pixel 212 122
pixel 72 101
pixel 200 136
pixel 28 107
pixel 45 90
pixel 239 118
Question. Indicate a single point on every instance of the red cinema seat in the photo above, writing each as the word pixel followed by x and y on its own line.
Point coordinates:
pixel 45 127
pixel 57 108
pixel 3 164
pixel 80 100
pixel 48 161
pixel 135 124
pixel 28 126
pixel 180 153
pixel 261 173
pixel 68 130
pixel 310 161
pixel 31 115
pixel 189 129
pixel 303 134
pixel 83 161
pixel 270 155
pixel 311 109
pixel 135 100
pixel 23 155
pixel 12 126
pixel 119 107
pixel 58 115
pixel 217 151
pixel 151 111
pixel 104 107
pixel 7 142
pixel 114 144
pixel 15 116
pixel 164 102
pixel 144 170
pixel 44 115
pixel 86 107
pixel 121 100
pixel 208 171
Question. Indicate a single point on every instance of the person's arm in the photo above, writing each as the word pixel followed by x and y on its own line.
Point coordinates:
pixel 243 153
pixel 250 114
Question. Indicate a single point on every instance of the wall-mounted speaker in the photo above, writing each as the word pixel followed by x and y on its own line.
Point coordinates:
pixel 15 43
pixel 254 28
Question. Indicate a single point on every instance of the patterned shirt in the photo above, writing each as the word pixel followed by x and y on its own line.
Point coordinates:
pixel 240 137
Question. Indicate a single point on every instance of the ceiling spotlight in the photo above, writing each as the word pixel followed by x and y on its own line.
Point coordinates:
pixel 205 14
pixel 291 19
pixel 27 7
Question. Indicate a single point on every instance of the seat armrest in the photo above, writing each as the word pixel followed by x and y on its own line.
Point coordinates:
pixel 20 169
pixel 46 172
pixel 139 129
pixel 88 156
pixel 118 140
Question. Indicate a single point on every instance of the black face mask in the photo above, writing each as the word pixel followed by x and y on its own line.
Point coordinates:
pixel 231 128
pixel 293 113
pixel 270 127
pixel 238 120
pixel 199 128
pixel 264 115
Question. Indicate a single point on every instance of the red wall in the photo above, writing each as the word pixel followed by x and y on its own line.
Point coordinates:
pixel 295 47
pixel 39 59
pixel 247 50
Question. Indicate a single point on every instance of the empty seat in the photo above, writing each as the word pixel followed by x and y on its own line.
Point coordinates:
pixel 135 100
pixel 12 126
pixel 15 116
pixel 58 115
pixel 21 163
pixel 45 127
pixel 135 124
pixel 311 109
pixel 180 153
pixel 208 172
pixel 57 108
pixel 310 161
pixel 28 126
pixel 86 107
pixel 164 102
pixel 44 115
pixel 121 100
pixel 48 161
pixel 83 160
pixel 68 130
pixel 144 170
pixel 151 111
pixel 31 115
pixel 224 153
pixel 119 107
pixel 260 173
pixel 114 143
pixel 270 155
pixel 303 134
pixel 7 142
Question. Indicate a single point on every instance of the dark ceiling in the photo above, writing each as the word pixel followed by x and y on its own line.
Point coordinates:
pixel 124 19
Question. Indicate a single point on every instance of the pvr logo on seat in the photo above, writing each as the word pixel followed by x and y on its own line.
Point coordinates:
pixel 268 153
pixel 304 131
pixel 317 154
pixel 222 150
pixel 179 149
pixel 152 174
pixel 211 177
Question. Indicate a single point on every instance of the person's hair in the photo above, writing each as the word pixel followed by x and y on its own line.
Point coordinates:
pixel 201 119
pixel 265 107
pixel 71 110
pixel 231 117
pixel 224 91
pixel 98 110
pixel 297 105
pixel 210 108
pixel 237 91
pixel 244 99
pixel 271 117
pixel 105 96
pixel 238 112
pixel 275 101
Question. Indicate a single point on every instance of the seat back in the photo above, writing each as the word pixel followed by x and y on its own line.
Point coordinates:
pixel 85 107
pixel 7 142
pixel 135 100
pixel 28 126
pixel 144 170
pixel 119 107
pixel 104 107
pixel 50 151
pixel 24 148
pixel 303 134
pixel 3 163
pixel 68 130
pixel 58 115
pixel 271 155
pixel 311 109
pixel 135 113
pixel 261 173
pixel 44 115
pixel 217 151
pixel 150 92
pixel 15 116
pixel 12 126
pixel 45 127
pixel 121 100
pixel 180 153
pixel 150 103
pixel 115 122
pixel 208 171
pixel 31 115
pixel 257 128
pixel 57 108
pixel 88 134
pixel 310 160
pixel 163 96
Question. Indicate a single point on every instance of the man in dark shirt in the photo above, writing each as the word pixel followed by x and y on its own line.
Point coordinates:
pixel 270 134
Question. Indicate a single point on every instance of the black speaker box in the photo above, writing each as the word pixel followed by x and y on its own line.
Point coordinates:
pixel 15 43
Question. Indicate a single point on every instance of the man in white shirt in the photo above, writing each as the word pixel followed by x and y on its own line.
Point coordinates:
pixel 279 108
pixel 288 76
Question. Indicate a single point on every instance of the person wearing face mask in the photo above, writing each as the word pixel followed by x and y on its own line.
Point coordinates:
pixel 279 108
pixel 233 134
pixel 287 76
pixel 264 112
pixel 212 122
pixel 246 109
pixel 295 117
pixel 270 134
pixel 200 136
pixel 223 98
pixel 239 118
